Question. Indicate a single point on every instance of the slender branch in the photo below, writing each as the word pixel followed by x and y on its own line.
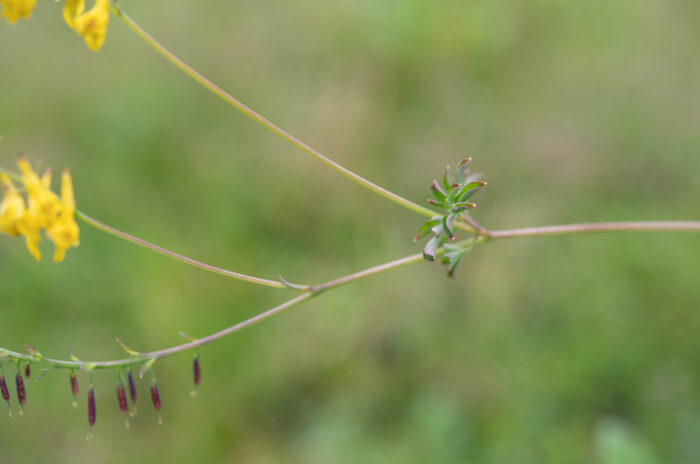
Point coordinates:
pixel 219 92
pixel 143 357
pixel 315 290
pixel 192 262
pixel 595 227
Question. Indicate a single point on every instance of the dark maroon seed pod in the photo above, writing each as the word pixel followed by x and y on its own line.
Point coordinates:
pixel 197 371
pixel 27 370
pixel 21 393
pixel 74 384
pixel 4 390
pixel 132 387
pixel 121 396
pixel 155 396
pixel 92 413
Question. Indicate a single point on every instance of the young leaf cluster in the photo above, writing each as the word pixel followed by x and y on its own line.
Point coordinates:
pixel 451 195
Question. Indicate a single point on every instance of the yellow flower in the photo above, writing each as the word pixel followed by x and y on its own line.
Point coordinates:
pixel 64 232
pixel 12 10
pixel 71 10
pixel 12 208
pixel 92 25
pixel 43 206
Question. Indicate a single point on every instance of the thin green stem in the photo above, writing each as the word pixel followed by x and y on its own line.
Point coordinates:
pixel 313 291
pixel 219 92
pixel 595 227
pixel 163 251
pixel 140 358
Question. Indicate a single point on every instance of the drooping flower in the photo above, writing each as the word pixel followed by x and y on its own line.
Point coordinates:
pixel 12 10
pixel 71 10
pixel 65 232
pixel 92 24
pixel 12 208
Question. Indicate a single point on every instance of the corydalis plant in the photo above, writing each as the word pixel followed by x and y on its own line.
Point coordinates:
pixel 451 195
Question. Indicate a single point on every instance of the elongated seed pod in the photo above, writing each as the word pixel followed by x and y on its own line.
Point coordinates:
pixel 121 396
pixel 21 393
pixel 92 412
pixel 132 387
pixel 155 396
pixel 74 384
pixel 197 371
pixel 27 370
pixel 4 390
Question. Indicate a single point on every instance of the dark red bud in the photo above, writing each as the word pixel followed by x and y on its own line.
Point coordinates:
pixel 155 396
pixel 121 395
pixel 92 413
pixel 132 387
pixel 197 371
pixel 27 370
pixel 4 390
pixel 21 393
pixel 74 384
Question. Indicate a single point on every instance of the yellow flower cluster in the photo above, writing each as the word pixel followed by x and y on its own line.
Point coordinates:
pixel 91 24
pixel 43 210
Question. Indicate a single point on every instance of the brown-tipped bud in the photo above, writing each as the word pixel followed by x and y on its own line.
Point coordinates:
pixel 21 393
pixel 74 384
pixel 121 396
pixel 92 412
pixel 132 387
pixel 155 396
pixel 27 370
pixel 197 372
pixel 4 390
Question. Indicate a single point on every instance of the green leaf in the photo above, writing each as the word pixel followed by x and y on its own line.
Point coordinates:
pixel 447 225
pixel 427 227
pixel 468 190
pixel 431 248
pixel 438 192
pixel 446 182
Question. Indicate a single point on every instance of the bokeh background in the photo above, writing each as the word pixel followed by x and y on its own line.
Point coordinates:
pixel 571 349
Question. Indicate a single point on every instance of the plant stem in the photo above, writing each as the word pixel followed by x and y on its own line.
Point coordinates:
pixel 219 92
pixel 143 357
pixel 594 227
pixel 192 262
pixel 486 235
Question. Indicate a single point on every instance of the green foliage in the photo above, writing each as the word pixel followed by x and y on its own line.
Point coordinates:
pixel 451 195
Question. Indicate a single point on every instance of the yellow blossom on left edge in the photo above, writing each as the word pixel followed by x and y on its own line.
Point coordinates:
pixel 12 10
pixel 42 210
pixel 12 208
pixel 92 24
pixel 64 232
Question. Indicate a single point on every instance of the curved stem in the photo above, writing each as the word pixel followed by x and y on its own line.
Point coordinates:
pixel 219 92
pixel 144 357
pixel 192 262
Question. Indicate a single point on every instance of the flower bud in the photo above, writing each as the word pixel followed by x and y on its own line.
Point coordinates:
pixel 155 396
pixel 21 393
pixel 27 370
pixel 92 413
pixel 4 390
pixel 197 371
pixel 121 396
pixel 132 387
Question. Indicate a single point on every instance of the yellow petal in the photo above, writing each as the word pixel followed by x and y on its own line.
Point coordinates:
pixel 71 10
pixel 92 25
pixel 12 208
pixel 12 10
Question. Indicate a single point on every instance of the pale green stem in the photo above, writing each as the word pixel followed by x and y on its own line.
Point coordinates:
pixel 219 92
pixel 158 249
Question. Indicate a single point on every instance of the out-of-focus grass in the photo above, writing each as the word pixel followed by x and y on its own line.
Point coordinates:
pixel 546 350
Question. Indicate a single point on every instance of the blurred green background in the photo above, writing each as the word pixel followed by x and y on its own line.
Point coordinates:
pixel 572 349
